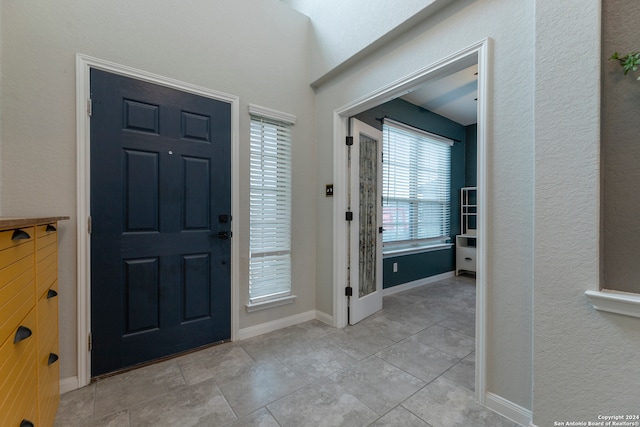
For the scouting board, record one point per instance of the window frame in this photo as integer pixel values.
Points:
(418, 152)
(280, 157)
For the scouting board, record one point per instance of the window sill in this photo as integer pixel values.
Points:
(409, 251)
(618, 302)
(271, 303)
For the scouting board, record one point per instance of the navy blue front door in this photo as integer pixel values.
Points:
(160, 210)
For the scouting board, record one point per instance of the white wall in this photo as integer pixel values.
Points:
(582, 358)
(510, 164)
(254, 49)
(341, 30)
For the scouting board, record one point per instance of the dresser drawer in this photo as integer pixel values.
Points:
(22, 404)
(18, 378)
(466, 258)
(47, 310)
(16, 281)
(46, 269)
(15, 309)
(46, 230)
(12, 238)
(48, 383)
(15, 253)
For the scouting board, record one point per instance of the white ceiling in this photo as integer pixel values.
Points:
(452, 96)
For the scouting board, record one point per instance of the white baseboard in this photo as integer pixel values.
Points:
(416, 283)
(324, 318)
(68, 384)
(508, 409)
(274, 325)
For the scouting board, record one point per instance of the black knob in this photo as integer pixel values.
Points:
(26, 423)
(51, 293)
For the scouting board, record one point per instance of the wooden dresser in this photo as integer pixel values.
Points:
(29, 368)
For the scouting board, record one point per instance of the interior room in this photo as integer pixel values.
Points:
(180, 218)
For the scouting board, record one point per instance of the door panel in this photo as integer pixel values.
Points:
(366, 236)
(160, 181)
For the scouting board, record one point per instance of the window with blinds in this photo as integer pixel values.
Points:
(270, 209)
(416, 187)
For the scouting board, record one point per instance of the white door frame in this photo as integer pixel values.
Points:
(479, 53)
(84, 64)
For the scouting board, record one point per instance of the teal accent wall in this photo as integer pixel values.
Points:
(417, 266)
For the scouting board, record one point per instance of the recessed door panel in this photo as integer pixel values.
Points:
(142, 186)
(142, 291)
(197, 193)
(197, 301)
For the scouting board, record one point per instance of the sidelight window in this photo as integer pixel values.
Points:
(270, 207)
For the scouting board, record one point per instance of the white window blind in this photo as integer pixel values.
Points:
(416, 187)
(270, 209)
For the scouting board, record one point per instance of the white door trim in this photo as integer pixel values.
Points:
(480, 52)
(84, 64)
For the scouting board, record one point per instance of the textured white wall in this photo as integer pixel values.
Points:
(584, 360)
(254, 49)
(620, 149)
(341, 29)
(510, 164)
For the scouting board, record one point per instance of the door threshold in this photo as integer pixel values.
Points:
(158, 360)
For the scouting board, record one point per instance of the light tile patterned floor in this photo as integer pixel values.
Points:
(412, 364)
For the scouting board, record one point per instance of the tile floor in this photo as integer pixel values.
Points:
(412, 364)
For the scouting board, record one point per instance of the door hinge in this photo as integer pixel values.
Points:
(89, 225)
(348, 216)
(89, 107)
(348, 291)
(349, 140)
(90, 342)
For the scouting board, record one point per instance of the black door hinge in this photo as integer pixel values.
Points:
(349, 141)
(348, 216)
(348, 291)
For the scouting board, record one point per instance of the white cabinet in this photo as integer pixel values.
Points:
(465, 254)
(466, 242)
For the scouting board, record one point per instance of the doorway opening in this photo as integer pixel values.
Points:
(475, 55)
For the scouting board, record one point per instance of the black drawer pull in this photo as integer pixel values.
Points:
(51, 293)
(468, 259)
(20, 235)
(53, 358)
(26, 423)
(21, 334)
(50, 228)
